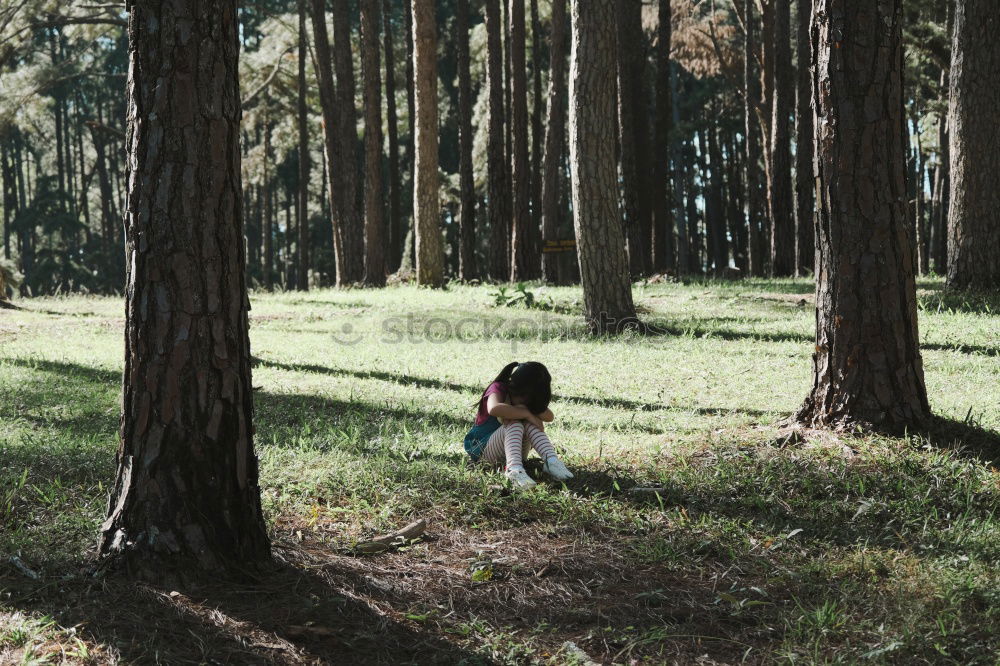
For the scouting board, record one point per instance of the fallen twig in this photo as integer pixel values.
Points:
(24, 568)
(387, 541)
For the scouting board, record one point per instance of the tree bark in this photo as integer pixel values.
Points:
(186, 494)
(335, 169)
(407, 250)
(430, 251)
(537, 134)
(302, 281)
(974, 212)
(392, 125)
(634, 134)
(663, 220)
(467, 213)
(720, 243)
(752, 125)
(525, 261)
(351, 220)
(604, 272)
(867, 368)
(805, 182)
(782, 216)
(496, 161)
(268, 230)
(374, 217)
(555, 136)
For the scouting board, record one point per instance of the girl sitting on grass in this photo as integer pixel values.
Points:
(514, 406)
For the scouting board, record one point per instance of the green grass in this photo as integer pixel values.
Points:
(833, 550)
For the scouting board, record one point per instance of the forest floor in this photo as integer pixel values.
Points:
(765, 546)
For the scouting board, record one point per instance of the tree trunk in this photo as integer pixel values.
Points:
(677, 162)
(351, 220)
(427, 222)
(331, 137)
(720, 243)
(805, 182)
(867, 368)
(268, 227)
(735, 190)
(663, 219)
(407, 249)
(942, 188)
(974, 213)
(634, 134)
(186, 495)
(303, 128)
(607, 290)
(496, 161)
(918, 212)
(524, 259)
(537, 134)
(782, 216)
(752, 102)
(395, 222)
(374, 217)
(555, 135)
(467, 186)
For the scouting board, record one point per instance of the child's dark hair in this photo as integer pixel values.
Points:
(530, 381)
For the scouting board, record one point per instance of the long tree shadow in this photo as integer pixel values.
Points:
(437, 384)
(293, 615)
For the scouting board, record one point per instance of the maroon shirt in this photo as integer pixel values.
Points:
(483, 414)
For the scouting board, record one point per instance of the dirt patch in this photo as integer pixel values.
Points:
(446, 600)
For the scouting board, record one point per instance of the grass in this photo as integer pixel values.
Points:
(763, 548)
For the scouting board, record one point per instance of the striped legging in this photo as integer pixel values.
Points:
(505, 446)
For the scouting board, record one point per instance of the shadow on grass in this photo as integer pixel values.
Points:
(292, 616)
(436, 384)
(942, 299)
(962, 437)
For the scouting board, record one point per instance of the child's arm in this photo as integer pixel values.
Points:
(502, 410)
(547, 416)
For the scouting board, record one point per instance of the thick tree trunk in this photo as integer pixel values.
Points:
(335, 164)
(607, 290)
(302, 280)
(867, 367)
(467, 186)
(525, 261)
(427, 222)
(805, 182)
(496, 161)
(186, 493)
(392, 126)
(974, 213)
(752, 125)
(663, 219)
(350, 217)
(374, 216)
(634, 134)
(782, 216)
(555, 136)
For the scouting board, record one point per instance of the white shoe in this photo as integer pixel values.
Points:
(520, 479)
(556, 469)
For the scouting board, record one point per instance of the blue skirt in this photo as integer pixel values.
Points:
(476, 439)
